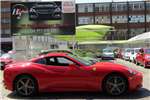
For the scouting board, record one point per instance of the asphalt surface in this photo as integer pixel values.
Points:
(143, 93)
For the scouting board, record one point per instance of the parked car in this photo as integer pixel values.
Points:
(126, 53)
(1, 53)
(59, 72)
(6, 58)
(108, 54)
(43, 11)
(134, 52)
(143, 57)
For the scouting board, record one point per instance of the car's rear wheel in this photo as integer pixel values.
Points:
(115, 84)
(2, 64)
(25, 86)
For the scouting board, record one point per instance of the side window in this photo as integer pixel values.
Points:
(41, 61)
(61, 61)
(51, 61)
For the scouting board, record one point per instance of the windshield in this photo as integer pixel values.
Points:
(81, 60)
(147, 51)
(107, 50)
(127, 50)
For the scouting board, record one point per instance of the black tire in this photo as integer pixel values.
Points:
(136, 62)
(25, 86)
(115, 87)
(2, 65)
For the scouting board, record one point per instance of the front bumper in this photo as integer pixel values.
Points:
(135, 82)
(126, 57)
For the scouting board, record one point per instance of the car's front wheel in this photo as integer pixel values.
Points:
(115, 84)
(25, 86)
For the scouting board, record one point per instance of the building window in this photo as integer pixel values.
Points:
(136, 18)
(147, 18)
(5, 31)
(85, 20)
(148, 5)
(102, 19)
(135, 6)
(5, 21)
(119, 7)
(119, 19)
(82, 8)
(102, 7)
(4, 10)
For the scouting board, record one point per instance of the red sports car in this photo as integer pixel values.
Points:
(143, 57)
(60, 72)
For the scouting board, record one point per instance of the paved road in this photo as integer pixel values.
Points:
(143, 93)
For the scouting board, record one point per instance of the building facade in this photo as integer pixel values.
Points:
(128, 18)
(6, 39)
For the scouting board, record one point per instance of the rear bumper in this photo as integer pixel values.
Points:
(147, 63)
(135, 82)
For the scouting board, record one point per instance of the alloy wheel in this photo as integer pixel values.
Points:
(115, 85)
(25, 86)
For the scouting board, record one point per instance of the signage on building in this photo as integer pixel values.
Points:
(43, 18)
(68, 6)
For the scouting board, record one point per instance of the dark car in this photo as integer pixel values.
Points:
(43, 11)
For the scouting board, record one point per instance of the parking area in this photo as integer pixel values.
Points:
(143, 93)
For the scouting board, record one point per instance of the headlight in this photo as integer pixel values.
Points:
(132, 72)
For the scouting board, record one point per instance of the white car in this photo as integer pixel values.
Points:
(108, 54)
(134, 51)
(126, 53)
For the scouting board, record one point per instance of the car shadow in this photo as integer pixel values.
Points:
(141, 93)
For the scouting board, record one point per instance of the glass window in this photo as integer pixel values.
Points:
(148, 5)
(5, 21)
(119, 6)
(85, 8)
(119, 19)
(41, 61)
(102, 7)
(147, 18)
(85, 20)
(102, 19)
(64, 61)
(5, 31)
(5, 10)
(136, 18)
(136, 6)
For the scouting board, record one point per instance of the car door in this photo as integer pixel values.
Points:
(64, 77)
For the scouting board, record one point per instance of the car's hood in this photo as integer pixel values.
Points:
(108, 65)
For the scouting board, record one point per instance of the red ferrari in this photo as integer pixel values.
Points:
(143, 57)
(61, 72)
